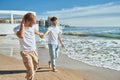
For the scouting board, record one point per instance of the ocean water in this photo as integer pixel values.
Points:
(97, 46)
(106, 32)
(111, 30)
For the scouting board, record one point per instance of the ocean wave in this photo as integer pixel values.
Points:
(96, 52)
(75, 34)
(93, 51)
(106, 35)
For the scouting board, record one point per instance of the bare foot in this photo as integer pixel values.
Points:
(55, 70)
(49, 64)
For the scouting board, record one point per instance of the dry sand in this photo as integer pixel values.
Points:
(13, 69)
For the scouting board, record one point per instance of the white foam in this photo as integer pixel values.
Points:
(97, 52)
(94, 51)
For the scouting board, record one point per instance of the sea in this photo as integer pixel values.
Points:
(96, 46)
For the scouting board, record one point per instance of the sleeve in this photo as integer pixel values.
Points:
(35, 28)
(59, 30)
(49, 28)
(16, 29)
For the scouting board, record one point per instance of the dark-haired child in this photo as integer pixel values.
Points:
(53, 40)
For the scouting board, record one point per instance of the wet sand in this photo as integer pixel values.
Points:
(89, 72)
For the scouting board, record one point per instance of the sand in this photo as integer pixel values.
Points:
(13, 69)
(89, 72)
(69, 69)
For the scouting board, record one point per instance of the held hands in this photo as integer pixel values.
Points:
(41, 35)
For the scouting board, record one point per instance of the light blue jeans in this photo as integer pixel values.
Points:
(53, 50)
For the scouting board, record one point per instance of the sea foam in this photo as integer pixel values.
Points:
(96, 52)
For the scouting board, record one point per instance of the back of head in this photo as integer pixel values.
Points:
(53, 18)
(29, 17)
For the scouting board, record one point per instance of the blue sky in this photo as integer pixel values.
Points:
(73, 12)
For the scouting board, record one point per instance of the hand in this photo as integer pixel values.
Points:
(23, 22)
(41, 35)
(63, 46)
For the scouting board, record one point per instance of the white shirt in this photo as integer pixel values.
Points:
(53, 35)
(28, 42)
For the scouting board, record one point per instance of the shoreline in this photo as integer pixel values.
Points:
(90, 72)
(96, 51)
(64, 63)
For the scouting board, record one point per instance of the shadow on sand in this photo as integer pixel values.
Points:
(2, 72)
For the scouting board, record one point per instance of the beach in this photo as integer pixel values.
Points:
(89, 72)
(12, 68)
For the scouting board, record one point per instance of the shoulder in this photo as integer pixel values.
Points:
(58, 28)
(50, 28)
(33, 28)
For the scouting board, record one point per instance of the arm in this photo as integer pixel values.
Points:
(38, 33)
(59, 38)
(45, 33)
(20, 33)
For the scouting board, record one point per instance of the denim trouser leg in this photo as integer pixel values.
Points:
(53, 50)
(56, 51)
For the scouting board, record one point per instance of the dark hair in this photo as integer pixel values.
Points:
(53, 18)
(29, 16)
